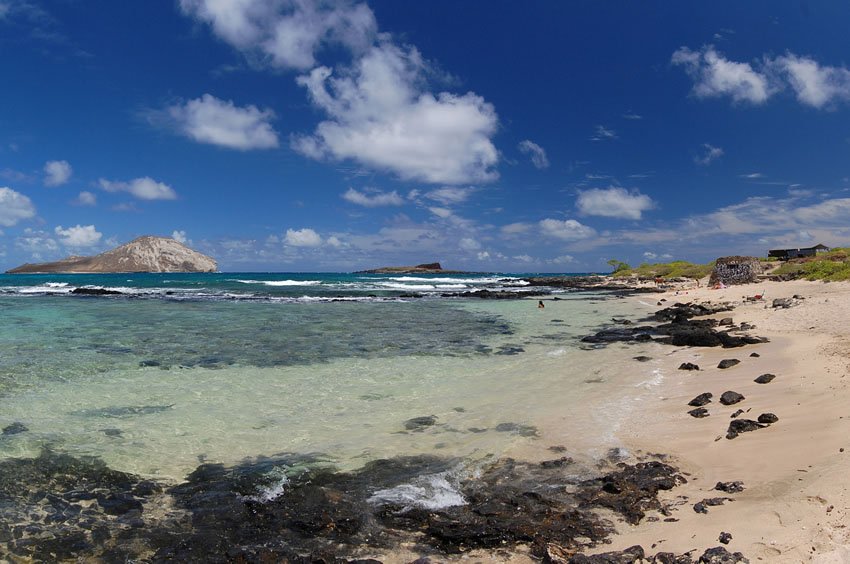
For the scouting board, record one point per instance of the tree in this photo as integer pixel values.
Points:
(618, 266)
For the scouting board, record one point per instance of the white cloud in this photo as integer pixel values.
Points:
(218, 122)
(335, 242)
(380, 116)
(57, 173)
(78, 236)
(649, 255)
(614, 202)
(568, 230)
(36, 243)
(524, 258)
(537, 153)
(448, 195)
(286, 33)
(469, 244)
(710, 155)
(179, 236)
(515, 228)
(483, 255)
(86, 199)
(440, 212)
(14, 207)
(752, 175)
(373, 198)
(602, 133)
(302, 238)
(145, 188)
(631, 115)
(815, 85)
(563, 259)
(714, 76)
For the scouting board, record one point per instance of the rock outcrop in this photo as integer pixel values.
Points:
(428, 268)
(144, 254)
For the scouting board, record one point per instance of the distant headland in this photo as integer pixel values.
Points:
(427, 268)
(144, 254)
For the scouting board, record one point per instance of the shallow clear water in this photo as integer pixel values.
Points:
(156, 386)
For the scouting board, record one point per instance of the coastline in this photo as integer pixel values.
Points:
(795, 502)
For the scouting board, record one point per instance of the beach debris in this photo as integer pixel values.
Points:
(702, 506)
(738, 426)
(730, 398)
(420, 423)
(755, 355)
(14, 429)
(725, 537)
(767, 418)
(701, 399)
(699, 412)
(688, 366)
(736, 414)
(784, 303)
(730, 487)
(517, 429)
(631, 555)
(764, 379)
(728, 363)
(642, 358)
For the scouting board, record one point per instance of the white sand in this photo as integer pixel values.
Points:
(795, 505)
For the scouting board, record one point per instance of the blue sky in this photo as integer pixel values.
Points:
(285, 135)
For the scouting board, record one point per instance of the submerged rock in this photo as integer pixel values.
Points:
(14, 429)
(95, 292)
(420, 423)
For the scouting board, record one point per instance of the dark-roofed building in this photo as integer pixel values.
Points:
(785, 254)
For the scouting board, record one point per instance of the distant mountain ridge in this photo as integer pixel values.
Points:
(144, 254)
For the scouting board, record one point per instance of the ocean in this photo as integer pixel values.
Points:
(293, 372)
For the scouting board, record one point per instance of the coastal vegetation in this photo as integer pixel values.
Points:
(666, 270)
(832, 266)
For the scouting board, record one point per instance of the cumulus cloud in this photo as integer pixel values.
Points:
(145, 188)
(380, 116)
(815, 85)
(515, 228)
(715, 76)
(709, 155)
(218, 122)
(536, 152)
(78, 236)
(449, 195)
(613, 202)
(86, 199)
(14, 207)
(469, 244)
(57, 173)
(373, 198)
(286, 33)
(563, 259)
(36, 242)
(302, 238)
(440, 212)
(602, 133)
(567, 230)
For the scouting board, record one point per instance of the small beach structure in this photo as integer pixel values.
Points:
(735, 270)
(786, 254)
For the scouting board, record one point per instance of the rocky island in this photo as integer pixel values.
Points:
(428, 268)
(143, 254)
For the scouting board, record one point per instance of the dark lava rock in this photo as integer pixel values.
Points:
(642, 358)
(671, 558)
(688, 366)
(699, 412)
(702, 506)
(736, 414)
(419, 423)
(755, 355)
(622, 334)
(496, 295)
(729, 487)
(631, 555)
(728, 363)
(700, 333)
(719, 555)
(784, 303)
(557, 463)
(725, 321)
(731, 398)
(632, 490)
(517, 429)
(95, 292)
(701, 399)
(764, 379)
(767, 418)
(680, 311)
(14, 429)
(725, 537)
(742, 426)
(149, 363)
(118, 503)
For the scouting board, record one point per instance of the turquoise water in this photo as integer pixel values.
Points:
(183, 369)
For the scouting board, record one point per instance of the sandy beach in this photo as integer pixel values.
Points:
(794, 505)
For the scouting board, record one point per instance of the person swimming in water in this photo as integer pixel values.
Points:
(540, 304)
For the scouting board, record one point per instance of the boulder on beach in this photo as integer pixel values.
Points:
(701, 399)
(728, 363)
(731, 398)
